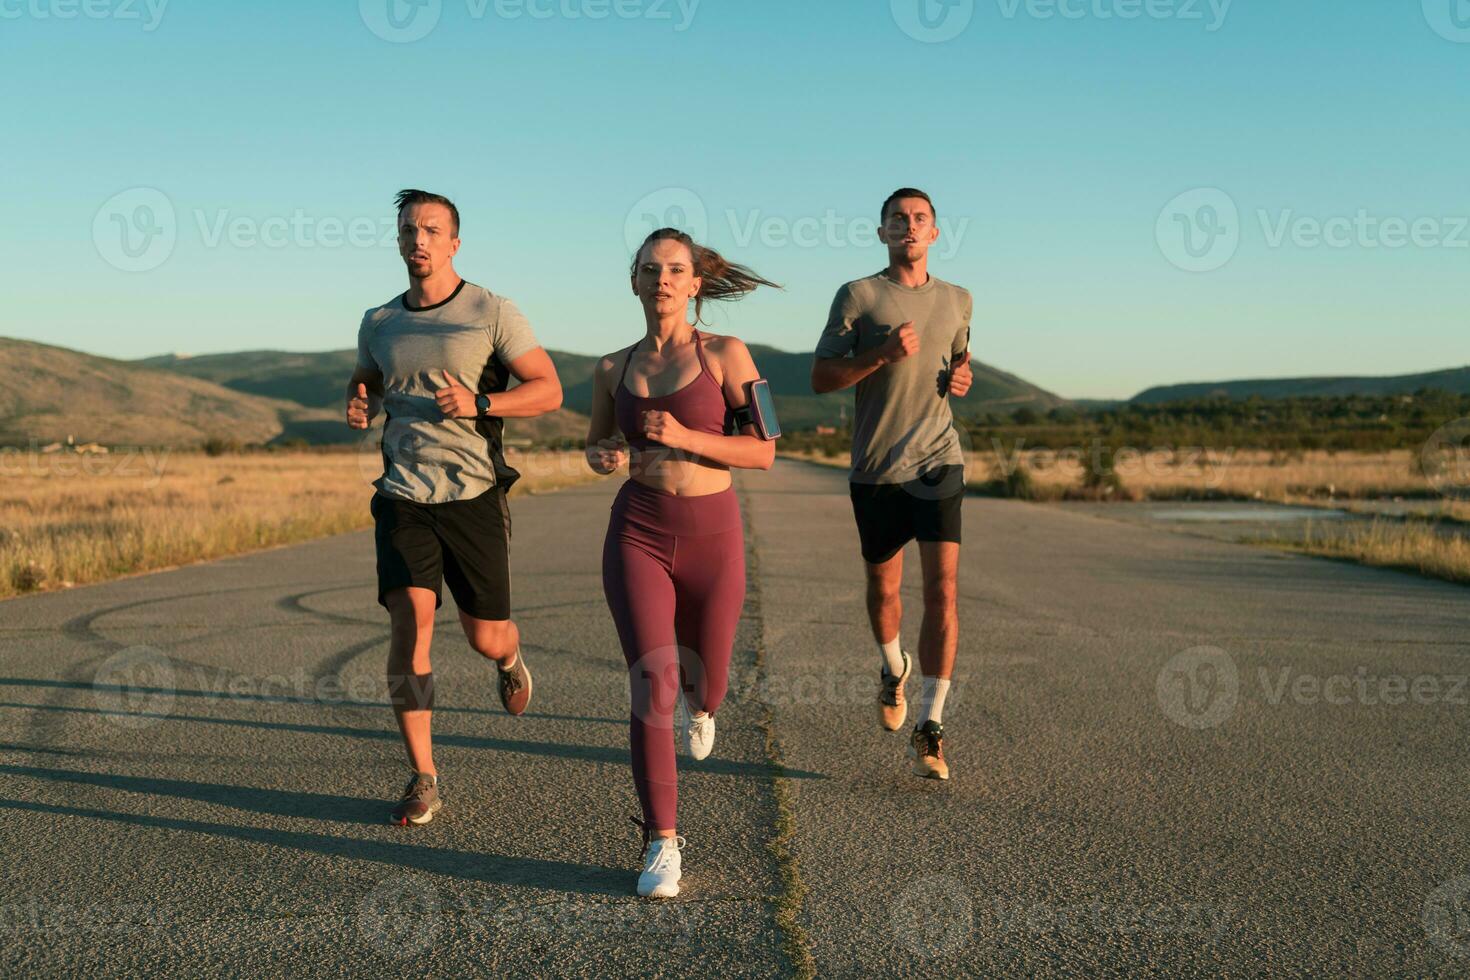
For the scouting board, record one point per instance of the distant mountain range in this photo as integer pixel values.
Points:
(1455, 380)
(317, 380)
(278, 396)
(265, 397)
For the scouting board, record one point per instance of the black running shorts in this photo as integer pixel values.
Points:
(890, 515)
(465, 543)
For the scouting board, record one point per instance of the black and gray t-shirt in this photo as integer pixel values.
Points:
(902, 425)
(470, 338)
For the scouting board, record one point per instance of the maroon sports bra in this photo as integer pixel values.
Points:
(698, 406)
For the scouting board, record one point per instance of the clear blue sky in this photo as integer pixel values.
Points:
(1051, 145)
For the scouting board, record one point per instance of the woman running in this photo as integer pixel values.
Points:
(673, 564)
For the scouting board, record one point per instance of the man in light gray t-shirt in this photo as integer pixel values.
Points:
(437, 362)
(469, 339)
(902, 424)
(901, 337)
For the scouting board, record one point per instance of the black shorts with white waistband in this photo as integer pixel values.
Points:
(890, 515)
(465, 543)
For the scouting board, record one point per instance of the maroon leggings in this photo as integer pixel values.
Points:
(673, 571)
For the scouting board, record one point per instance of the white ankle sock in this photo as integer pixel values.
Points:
(931, 706)
(892, 652)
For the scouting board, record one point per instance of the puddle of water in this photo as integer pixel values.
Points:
(1250, 514)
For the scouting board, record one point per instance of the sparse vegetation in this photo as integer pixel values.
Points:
(67, 519)
(1409, 546)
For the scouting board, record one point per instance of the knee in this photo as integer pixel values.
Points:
(494, 639)
(882, 589)
(940, 596)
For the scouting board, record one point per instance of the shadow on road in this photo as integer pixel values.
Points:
(280, 699)
(274, 802)
(564, 876)
(581, 753)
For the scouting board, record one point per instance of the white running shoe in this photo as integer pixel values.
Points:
(661, 868)
(696, 735)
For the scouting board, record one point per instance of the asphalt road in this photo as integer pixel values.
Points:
(1171, 756)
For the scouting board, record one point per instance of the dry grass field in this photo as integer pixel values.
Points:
(68, 519)
(1350, 481)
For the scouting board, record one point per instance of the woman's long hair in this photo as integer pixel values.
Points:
(722, 279)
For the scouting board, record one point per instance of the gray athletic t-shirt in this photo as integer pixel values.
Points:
(471, 337)
(902, 425)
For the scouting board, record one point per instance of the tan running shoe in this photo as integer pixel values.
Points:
(892, 707)
(515, 685)
(420, 801)
(926, 748)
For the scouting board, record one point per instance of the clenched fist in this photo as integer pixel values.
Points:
(607, 456)
(901, 343)
(359, 411)
(663, 428)
(960, 376)
(455, 400)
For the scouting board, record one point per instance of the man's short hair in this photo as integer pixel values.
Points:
(411, 196)
(903, 192)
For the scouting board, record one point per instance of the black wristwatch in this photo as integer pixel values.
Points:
(482, 404)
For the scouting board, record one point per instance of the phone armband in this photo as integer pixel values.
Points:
(759, 411)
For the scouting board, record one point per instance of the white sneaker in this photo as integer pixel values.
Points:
(661, 868)
(696, 734)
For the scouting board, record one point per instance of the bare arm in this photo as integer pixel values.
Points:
(747, 450)
(836, 373)
(606, 451)
(539, 390)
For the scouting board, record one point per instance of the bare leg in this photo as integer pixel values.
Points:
(410, 675)
(940, 633)
(885, 608)
(495, 639)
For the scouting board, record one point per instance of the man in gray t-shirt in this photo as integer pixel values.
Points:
(437, 362)
(902, 338)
